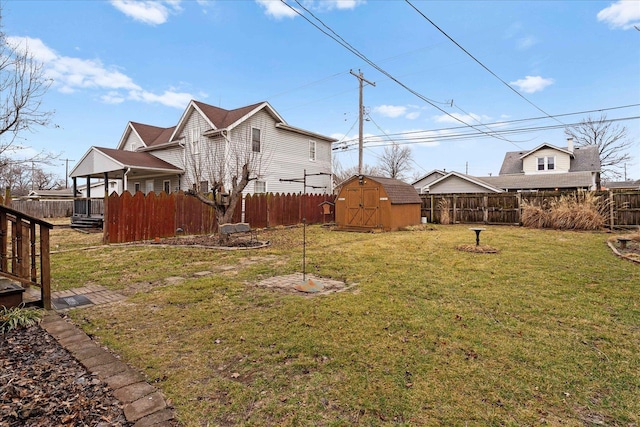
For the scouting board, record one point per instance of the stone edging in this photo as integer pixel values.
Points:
(615, 251)
(143, 404)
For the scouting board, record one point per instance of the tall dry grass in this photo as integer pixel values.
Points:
(576, 211)
(445, 216)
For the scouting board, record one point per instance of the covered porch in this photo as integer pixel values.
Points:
(128, 169)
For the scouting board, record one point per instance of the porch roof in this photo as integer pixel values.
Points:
(99, 160)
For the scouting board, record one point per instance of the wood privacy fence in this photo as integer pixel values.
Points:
(52, 208)
(621, 208)
(134, 218)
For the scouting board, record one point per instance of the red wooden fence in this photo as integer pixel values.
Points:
(133, 218)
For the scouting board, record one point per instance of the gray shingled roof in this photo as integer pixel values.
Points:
(584, 159)
(540, 181)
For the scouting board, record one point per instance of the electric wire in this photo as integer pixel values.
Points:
(337, 38)
(479, 62)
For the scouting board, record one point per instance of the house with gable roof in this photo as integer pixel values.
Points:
(544, 168)
(151, 158)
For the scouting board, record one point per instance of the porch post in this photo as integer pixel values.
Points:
(75, 194)
(105, 205)
(89, 196)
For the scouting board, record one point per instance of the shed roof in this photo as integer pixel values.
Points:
(399, 192)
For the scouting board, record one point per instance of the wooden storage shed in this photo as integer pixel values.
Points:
(376, 203)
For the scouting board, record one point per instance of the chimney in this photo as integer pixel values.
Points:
(570, 144)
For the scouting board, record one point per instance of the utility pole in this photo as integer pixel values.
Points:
(66, 175)
(361, 79)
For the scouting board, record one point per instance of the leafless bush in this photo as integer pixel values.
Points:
(577, 211)
(443, 206)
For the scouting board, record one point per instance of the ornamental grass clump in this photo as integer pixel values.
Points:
(15, 317)
(443, 206)
(577, 211)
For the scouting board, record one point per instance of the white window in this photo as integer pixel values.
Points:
(546, 163)
(149, 186)
(166, 186)
(312, 151)
(136, 187)
(133, 146)
(195, 141)
(255, 140)
(260, 187)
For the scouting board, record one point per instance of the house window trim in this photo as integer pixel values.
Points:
(542, 163)
(259, 141)
(137, 186)
(166, 186)
(313, 153)
(195, 141)
(255, 185)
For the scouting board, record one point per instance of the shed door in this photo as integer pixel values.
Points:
(362, 206)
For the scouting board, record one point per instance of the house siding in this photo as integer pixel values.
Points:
(530, 163)
(454, 184)
(132, 138)
(286, 156)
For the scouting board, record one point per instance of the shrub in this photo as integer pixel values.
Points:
(11, 318)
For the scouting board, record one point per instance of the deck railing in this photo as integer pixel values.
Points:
(21, 237)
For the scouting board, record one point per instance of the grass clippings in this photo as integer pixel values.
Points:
(545, 332)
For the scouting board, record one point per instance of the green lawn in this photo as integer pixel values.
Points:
(547, 331)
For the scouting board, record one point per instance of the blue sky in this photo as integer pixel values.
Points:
(117, 61)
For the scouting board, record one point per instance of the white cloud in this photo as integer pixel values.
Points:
(71, 74)
(526, 42)
(471, 119)
(532, 84)
(35, 47)
(622, 14)
(277, 9)
(392, 111)
(412, 116)
(148, 12)
(168, 98)
(336, 4)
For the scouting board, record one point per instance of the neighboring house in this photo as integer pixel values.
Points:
(422, 185)
(621, 185)
(150, 158)
(455, 183)
(545, 168)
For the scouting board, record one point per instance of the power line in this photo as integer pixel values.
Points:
(406, 138)
(480, 63)
(501, 123)
(342, 42)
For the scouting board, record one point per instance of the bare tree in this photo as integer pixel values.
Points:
(22, 87)
(221, 168)
(341, 174)
(610, 139)
(395, 161)
(21, 178)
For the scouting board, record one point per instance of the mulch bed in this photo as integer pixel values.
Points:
(208, 241)
(42, 385)
(479, 249)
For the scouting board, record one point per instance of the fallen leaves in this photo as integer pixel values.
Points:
(42, 384)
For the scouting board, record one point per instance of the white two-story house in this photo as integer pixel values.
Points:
(210, 142)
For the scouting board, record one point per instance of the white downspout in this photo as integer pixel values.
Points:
(125, 181)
